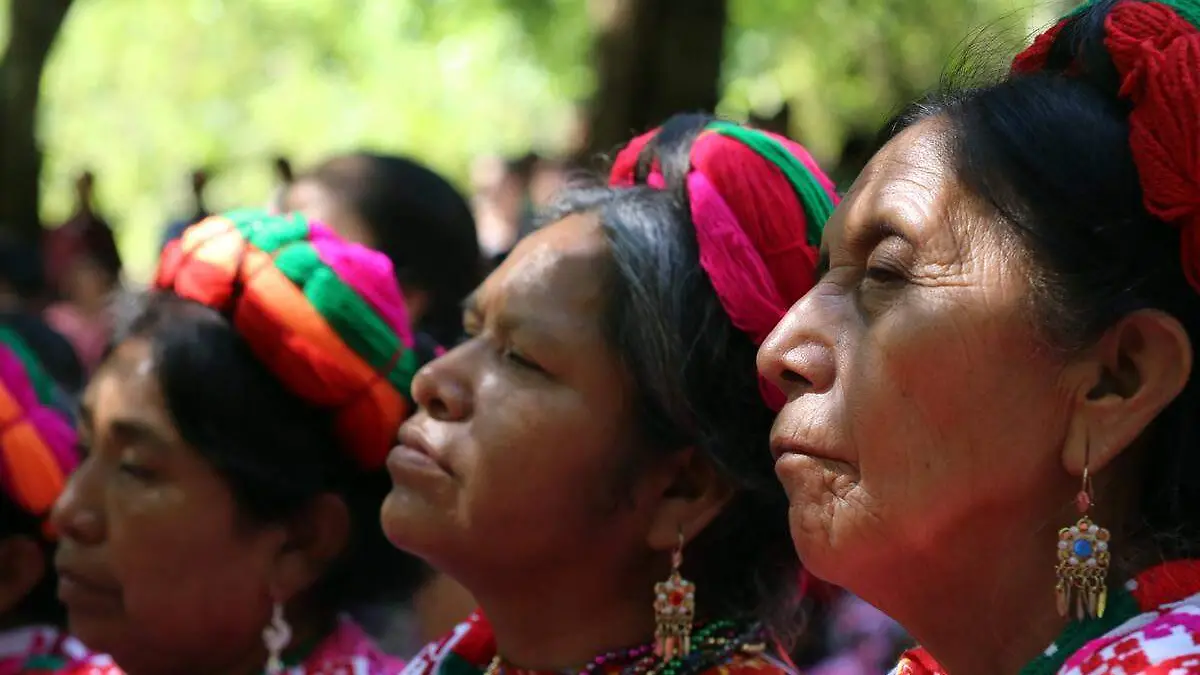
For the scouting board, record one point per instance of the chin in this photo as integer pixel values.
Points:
(813, 539)
(410, 524)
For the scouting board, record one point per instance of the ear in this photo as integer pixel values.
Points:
(314, 540)
(695, 493)
(1133, 372)
(22, 568)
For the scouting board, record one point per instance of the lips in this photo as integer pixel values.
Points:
(781, 447)
(81, 590)
(414, 449)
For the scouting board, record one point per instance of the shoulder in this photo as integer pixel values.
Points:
(1161, 641)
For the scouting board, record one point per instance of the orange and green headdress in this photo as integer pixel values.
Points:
(325, 316)
(38, 449)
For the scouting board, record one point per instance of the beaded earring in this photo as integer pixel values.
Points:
(276, 637)
(674, 610)
(1083, 559)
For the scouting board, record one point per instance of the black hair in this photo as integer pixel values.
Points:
(695, 381)
(41, 605)
(419, 221)
(1050, 153)
(275, 451)
(21, 268)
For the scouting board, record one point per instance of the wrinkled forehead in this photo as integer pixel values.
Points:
(911, 183)
(558, 273)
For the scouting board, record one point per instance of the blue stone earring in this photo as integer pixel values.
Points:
(1083, 559)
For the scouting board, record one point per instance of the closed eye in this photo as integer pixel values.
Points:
(521, 361)
(136, 471)
(884, 275)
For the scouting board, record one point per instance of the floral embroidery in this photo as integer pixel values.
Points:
(1164, 639)
(1159, 641)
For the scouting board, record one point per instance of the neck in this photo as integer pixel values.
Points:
(990, 614)
(554, 620)
(1012, 621)
(309, 630)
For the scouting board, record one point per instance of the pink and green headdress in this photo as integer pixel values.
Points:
(327, 317)
(759, 203)
(38, 449)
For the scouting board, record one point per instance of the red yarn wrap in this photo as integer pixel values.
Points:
(1156, 52)
(764, 263)
(766, 206)
(1034, 57)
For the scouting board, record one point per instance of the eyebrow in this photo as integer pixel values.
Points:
(131, 430)
(528, 323)
(138, 432)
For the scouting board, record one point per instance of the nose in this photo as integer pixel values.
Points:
(442, 389)
(76, 514)
(798, 357)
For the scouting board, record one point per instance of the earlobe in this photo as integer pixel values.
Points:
(313, 541)
(1137, 368)
(693, 498)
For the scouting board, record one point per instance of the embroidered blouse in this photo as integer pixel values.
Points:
(34, 650)
(1152, 627)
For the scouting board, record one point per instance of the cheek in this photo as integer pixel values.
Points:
(186, 577)
(543, 455)
(961, 405)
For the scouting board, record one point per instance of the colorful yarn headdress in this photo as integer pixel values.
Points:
(759, 203)
(1155, 47)
(38, 449)
(325, 316)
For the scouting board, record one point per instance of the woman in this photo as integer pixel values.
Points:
(409, 213)
(991, 429)
(583, 462)
(225, 512)
(84, 267)
(37, 453)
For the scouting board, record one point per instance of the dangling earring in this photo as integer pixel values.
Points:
(276, 637)
(1083, 558)
(674, 610)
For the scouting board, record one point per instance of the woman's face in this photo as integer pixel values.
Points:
(514, 462)
(155, 566)
(925, 416)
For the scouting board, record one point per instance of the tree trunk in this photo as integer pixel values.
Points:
(33, 25)
(654, 58)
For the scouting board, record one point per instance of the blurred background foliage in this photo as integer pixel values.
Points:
(142, 91)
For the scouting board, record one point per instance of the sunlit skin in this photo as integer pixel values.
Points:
(515, 476)
(933, 441)
(157, 567)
